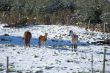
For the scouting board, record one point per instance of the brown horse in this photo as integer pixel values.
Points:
(27, 37)
(42, 40)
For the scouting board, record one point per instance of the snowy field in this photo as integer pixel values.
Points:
(57, 56)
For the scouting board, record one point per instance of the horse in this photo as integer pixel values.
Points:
(27, 38)
(74, 39)
(42, 40)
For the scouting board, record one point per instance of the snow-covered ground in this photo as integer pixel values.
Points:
(57, 56)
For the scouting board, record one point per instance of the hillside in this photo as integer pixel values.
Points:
(57, 56)
(92, 13)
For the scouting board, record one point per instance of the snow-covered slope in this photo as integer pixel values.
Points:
(57, 56)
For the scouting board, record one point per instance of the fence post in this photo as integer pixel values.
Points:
(7, 64)
(104, 60)
(92, 70)
(72, 47)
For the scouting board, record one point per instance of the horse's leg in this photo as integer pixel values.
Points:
(75, 47)
(25, 44)
(39, 43)
(29, 43)
(72, 46)
(45, 44)
(72, 41)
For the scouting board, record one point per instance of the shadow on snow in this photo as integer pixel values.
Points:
(18, 40)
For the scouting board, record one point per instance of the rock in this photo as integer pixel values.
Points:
(6, 35)
(40, 71)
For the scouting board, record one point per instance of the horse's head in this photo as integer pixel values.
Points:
(71, 33)
(46, 34)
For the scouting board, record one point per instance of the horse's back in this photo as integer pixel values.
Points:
(42, 38)
(27, 35)
(74, 38)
